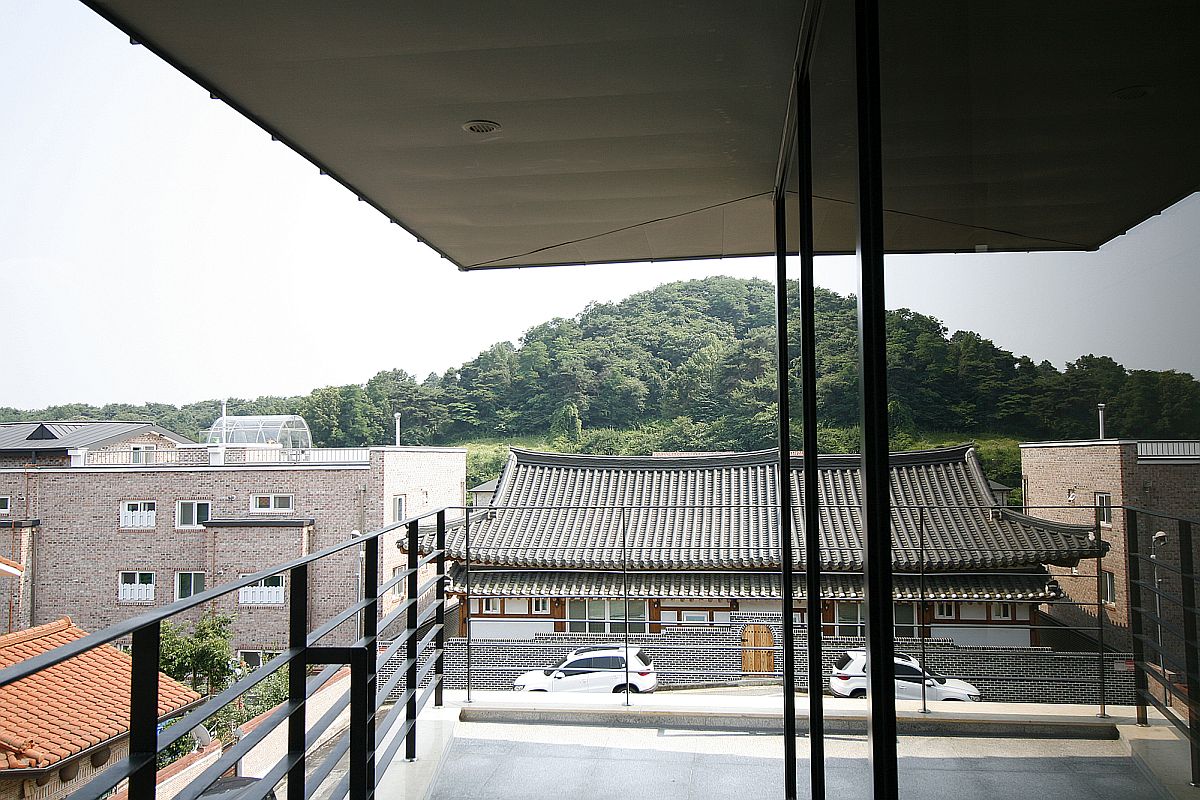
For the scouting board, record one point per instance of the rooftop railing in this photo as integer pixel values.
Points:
(113, 458)
(306, 455)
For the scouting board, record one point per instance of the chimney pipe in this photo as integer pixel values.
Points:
(398, 428)
(1100, 411)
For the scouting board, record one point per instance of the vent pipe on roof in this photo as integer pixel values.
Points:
(224, 418)
(398, 428)
(1100, 412)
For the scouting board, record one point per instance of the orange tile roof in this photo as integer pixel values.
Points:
(72, 706)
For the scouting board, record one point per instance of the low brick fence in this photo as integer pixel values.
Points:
(712, 654)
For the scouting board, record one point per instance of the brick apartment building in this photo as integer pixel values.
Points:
(1086, 482)
(105, 519)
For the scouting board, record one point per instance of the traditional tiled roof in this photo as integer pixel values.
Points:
(745, 584)
(719, 511)
(59, 435)
(70, 707)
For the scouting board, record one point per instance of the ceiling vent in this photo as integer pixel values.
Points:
(41, 432)
(481, 126)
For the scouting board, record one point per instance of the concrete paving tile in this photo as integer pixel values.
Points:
(540, 778)
(645, 779)
(711, 781)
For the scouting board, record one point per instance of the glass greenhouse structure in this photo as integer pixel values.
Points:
(270, 430)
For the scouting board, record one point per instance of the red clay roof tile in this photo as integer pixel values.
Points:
(72, 706)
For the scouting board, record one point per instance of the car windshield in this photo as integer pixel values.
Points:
(936, 676)
(842, 661)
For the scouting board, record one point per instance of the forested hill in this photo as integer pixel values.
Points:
(690, 366)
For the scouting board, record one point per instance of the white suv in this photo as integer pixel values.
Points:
(849, 679)
(599, 668)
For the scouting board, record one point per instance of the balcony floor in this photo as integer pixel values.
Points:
(581, 760)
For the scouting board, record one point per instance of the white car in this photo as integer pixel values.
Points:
(849, 679)
(599, 668)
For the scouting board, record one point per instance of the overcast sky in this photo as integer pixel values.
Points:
(154, 245)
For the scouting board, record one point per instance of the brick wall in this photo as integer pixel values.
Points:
(686, 656)
(82, 549)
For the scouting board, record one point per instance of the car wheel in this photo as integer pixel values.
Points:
(856, 693)
(621, 689)
(537, 690)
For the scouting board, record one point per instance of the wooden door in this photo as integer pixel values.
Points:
(756, 660)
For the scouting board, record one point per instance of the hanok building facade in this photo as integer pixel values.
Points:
(130, 516)
(577, 543)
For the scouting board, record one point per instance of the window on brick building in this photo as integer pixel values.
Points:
(142, 454)
(1108, 588)
(138, 514)
(1003, 611)
(1104, 508)
(253, 659)
(693, 616)
(188, 584)
(491, 605)
(271, 502)
(905, 619)
(192, 513)
(943, 610)
(398, 507)
(540, 605)
(398, 589)
(136, 587)
(268, 591)
(5, 505)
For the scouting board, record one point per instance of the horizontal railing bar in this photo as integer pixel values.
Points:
(1172, 599)
(1192, 706)
(403, 575)
(931, 625)
(194, 718)
(401, 669)
(1165, 566)
(109, 779)
(315, 778)
(327, 719)
(1162, 624)
(389, 752)
(266, 785)
(232, 755)
(341, 619)
(1166, 658)
(399, 642)
(400, 705)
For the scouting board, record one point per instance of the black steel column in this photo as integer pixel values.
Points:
(439, 638)
(1133, 573)
(410, 631)
(1097, 531)
(143, 712)
(371, 648)
(876, 515)
(784, 487)
(812, 487)
(1191, 656)
(297, 638)
(362, 728)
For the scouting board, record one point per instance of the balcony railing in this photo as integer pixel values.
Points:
(307, 455)
(138, 519)
(136, 593)
(117, 458)
(260, 595)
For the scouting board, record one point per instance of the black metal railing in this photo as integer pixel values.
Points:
(1161, 584)
(305, 650)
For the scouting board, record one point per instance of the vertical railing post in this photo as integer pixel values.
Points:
(1133, 573)
(467, 600)
(362, 680)
(625, 591)
(439, 639)
(143, 712)
(297, 639)
(876, 475)
(921, 616)
(1191, 657)
(1100, 609)
(410, 641)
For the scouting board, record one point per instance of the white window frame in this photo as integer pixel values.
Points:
(135, 519)
(137, 581)
(539, 605)
(5, 504)
(1103, 502)
(203, 580)
(399, 506)
(263, 656)
(913, 627)
(692, 615)
(939, 613)
(267, 592)
(137, 453)
(1004, 611)
(1108, 588)
(489, 605)
(179, 504)
(853, 628)
(273, 506)
(399, 588)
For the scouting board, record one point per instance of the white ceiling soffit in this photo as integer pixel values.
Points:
(635, 131)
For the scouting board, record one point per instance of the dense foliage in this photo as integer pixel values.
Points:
(690, 366)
